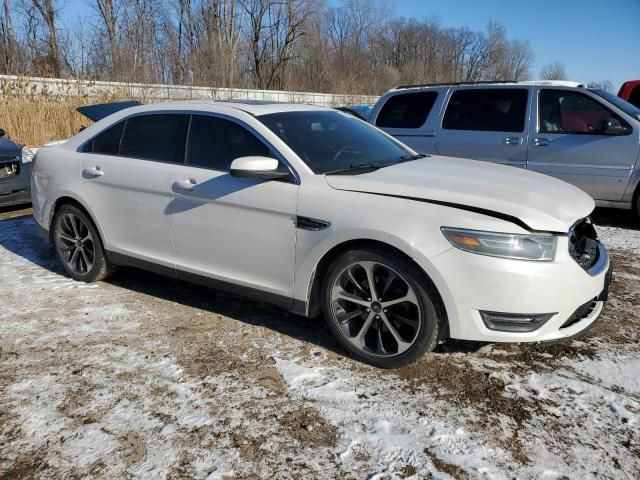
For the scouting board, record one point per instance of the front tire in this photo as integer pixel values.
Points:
(79, 247)
(381, 308)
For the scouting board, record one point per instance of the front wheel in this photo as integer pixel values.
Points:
(78, 246)
(380, 308)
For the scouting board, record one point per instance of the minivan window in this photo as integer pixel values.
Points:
(491, 109)
(215, 143)
(106, 142)
(566, 111)
(159, 137)
(407, 110)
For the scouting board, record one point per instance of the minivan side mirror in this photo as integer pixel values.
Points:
(263, 168)
(2, 133)
(613, 126)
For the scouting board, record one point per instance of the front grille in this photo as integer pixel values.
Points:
(583, 243)
(581, 313)
(9, 166)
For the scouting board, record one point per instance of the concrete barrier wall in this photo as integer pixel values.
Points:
(10, 84)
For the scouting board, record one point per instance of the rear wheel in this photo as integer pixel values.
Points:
(381, 308)
(78, 245)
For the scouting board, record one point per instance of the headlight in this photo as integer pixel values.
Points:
(27, 154)
(540, 247)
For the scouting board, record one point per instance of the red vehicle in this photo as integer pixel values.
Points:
(630, 91)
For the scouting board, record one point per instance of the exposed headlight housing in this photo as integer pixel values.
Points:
(539, 247)
(27, 154)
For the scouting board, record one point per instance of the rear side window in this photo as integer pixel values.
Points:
(106, 142)
(565, 111)
(159, 137)
(215, 143)
(408, 110)
(487, 110)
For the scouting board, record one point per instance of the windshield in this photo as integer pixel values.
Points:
(623, 105)
(331, 141)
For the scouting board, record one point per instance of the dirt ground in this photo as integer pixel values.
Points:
(145, 377)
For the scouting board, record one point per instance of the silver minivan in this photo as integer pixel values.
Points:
(585, 136)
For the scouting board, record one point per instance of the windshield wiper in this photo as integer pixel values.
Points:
(354, 168)
(409, 158)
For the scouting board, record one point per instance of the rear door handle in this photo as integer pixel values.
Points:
(541, 142)
(190, 185)
(512, 141)
(92, 172)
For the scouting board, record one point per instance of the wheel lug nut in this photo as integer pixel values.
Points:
(368, 309)
(385, 310)
(378, 316)
(368, 299)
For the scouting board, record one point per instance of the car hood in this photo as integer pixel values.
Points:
(7, 147)
(537, 201)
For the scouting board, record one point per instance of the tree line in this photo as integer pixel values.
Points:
(304, 45)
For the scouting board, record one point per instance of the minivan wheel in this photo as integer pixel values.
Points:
(78, 245)
(380, 308)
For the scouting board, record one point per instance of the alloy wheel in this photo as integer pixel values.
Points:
(376, 308)
(75, 243)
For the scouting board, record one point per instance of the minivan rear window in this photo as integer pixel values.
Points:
(487, 110)
(407, 110)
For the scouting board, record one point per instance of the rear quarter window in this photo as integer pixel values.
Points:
(407, 110)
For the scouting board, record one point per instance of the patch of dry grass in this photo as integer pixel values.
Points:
(34, 117)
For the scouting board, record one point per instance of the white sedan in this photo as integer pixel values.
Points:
(318, 212)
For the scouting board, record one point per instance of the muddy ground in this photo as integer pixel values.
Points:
(145, 377)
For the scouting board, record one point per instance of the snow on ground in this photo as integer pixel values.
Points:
(144, 377)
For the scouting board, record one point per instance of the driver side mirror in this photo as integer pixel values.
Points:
(613, 126)
(2, 133)
(263, 168)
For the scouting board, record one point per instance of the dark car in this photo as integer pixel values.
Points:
(15, 172)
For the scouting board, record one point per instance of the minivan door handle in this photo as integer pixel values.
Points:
(541, 142)
(512, 141)
(92, 172)
(190, 185)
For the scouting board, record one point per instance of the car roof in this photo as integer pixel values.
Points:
(253, 107)
(546, 83)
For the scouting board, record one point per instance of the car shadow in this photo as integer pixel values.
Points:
(613, 217)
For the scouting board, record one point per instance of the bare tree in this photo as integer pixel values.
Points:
(49, 16)
(605, 85)
(553, 71)
(108, 12)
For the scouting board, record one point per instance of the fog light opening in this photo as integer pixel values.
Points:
(514, 322)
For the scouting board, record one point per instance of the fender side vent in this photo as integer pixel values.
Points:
(312, 224)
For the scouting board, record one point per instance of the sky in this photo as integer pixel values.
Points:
(596, 40)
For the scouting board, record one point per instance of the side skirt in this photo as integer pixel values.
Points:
(295, 306)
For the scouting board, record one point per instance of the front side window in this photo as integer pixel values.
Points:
(487, 110)
(407, 110)
(565, 111)
(328, 141)
(159, 137)
(215, 143)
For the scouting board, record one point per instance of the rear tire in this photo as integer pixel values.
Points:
(390, 325)
(79, 247)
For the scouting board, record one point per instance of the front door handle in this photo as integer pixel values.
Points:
(541, 142)
(190, 185)
(92, 172)
(512, 141)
